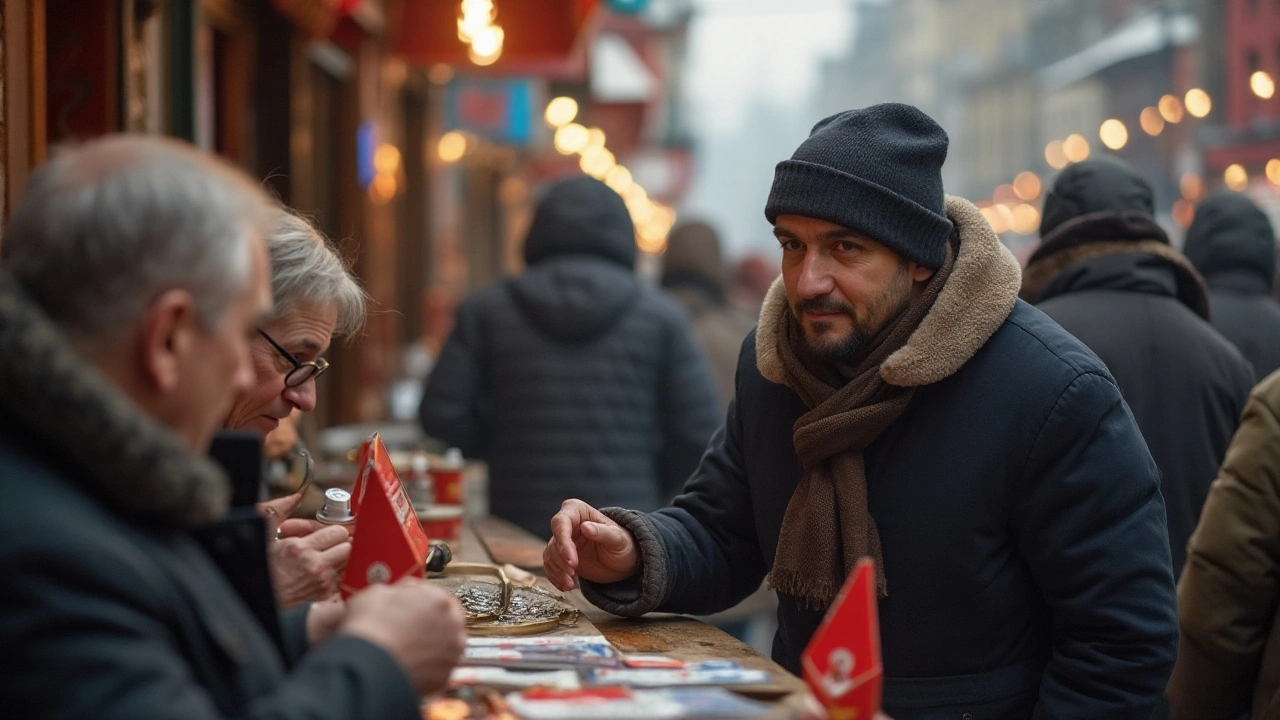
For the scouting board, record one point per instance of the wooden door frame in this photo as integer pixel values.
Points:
(24, 95)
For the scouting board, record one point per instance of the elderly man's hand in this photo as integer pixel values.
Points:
(308, 567)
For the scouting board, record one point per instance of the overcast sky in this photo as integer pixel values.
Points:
(751, 74)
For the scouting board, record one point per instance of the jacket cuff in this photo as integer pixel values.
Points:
(645, 591)
(387, 688)
(293, 631)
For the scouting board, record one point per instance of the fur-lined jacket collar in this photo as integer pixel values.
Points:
(1105, 234)
(975, 301)
(113, 450)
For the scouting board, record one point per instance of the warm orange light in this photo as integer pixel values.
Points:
(561, 111)
(1184, 211)
(1191, 185)
(1055, 156)
(452, 146)
(1113, 134)
(1075, 147)
(1273, 171)
(1198, 102)
(1236, 177)
(1151, 121)
(1262, 84)
(570, 139)
(1170, 109)
(1026, 219)
(1005, 194)
(1027, 186)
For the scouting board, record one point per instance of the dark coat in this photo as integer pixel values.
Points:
(1140, 306)
(1233, 246)
(1019, 514)
(573, 379)
(109, 607)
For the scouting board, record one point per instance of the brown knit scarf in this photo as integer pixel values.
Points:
(828, 526)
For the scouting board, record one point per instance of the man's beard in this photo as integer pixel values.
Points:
(846, 350)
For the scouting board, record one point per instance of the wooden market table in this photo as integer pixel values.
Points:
(492, 540)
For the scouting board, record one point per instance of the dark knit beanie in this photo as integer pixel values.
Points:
(877, 170)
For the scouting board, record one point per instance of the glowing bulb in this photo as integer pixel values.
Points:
(452, 146)
(619, 179)
(1025, 219)
(1075, 147)
(1170, 109)
(561, 111)
(486, 47)
(386, 159)
(1113, 134)
(571, 138)
(1262, 84)
(1054, 155)
(597, 162)
(595, 137)
(1273, 171)
(1236, 177)
(1197, 102)
(1151, 121)
(1027, 185)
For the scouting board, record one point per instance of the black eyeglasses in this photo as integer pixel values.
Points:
(302, 371)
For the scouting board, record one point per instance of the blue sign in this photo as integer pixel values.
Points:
(366, 146)
(500, 110)
(628, 7)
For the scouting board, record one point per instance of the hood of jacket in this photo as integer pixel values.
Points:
(975, 301)
(1124, 251)
(581, 216)
(1231, 243)
(572, 298)
(111, 448)
(1100, 184)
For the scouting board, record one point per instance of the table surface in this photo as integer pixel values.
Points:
(491, 539)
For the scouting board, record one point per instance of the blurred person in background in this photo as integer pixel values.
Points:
(1106, 272)
(897, 401)
(752, 277)
(133, 277)
(573, 379)
(316, 299)
(694, 272)
(1231, 243)
(1229, 595)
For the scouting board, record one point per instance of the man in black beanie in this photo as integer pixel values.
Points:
(898, 401)
(574, 379)
(1105, 271)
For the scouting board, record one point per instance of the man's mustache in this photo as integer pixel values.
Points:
(822, 304)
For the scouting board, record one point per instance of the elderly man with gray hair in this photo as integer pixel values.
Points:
(316, 299)
(133, 281)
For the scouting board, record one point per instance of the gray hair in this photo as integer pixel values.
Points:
(305, 268)
(104, 227)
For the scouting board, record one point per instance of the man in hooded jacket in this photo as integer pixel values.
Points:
(898, 401)
(1106, 272)
(573, 379)
(1233, 246)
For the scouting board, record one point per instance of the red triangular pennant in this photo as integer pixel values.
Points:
(842, 662)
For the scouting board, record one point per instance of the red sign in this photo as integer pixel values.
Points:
(388, 542)
(842, 662)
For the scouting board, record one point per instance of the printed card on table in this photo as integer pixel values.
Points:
(842, 662)
(388, 542)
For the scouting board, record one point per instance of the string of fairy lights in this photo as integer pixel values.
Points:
(1012, 207)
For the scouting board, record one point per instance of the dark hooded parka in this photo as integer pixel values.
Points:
(1106, 272)
(574, 379)
(1233, 246)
